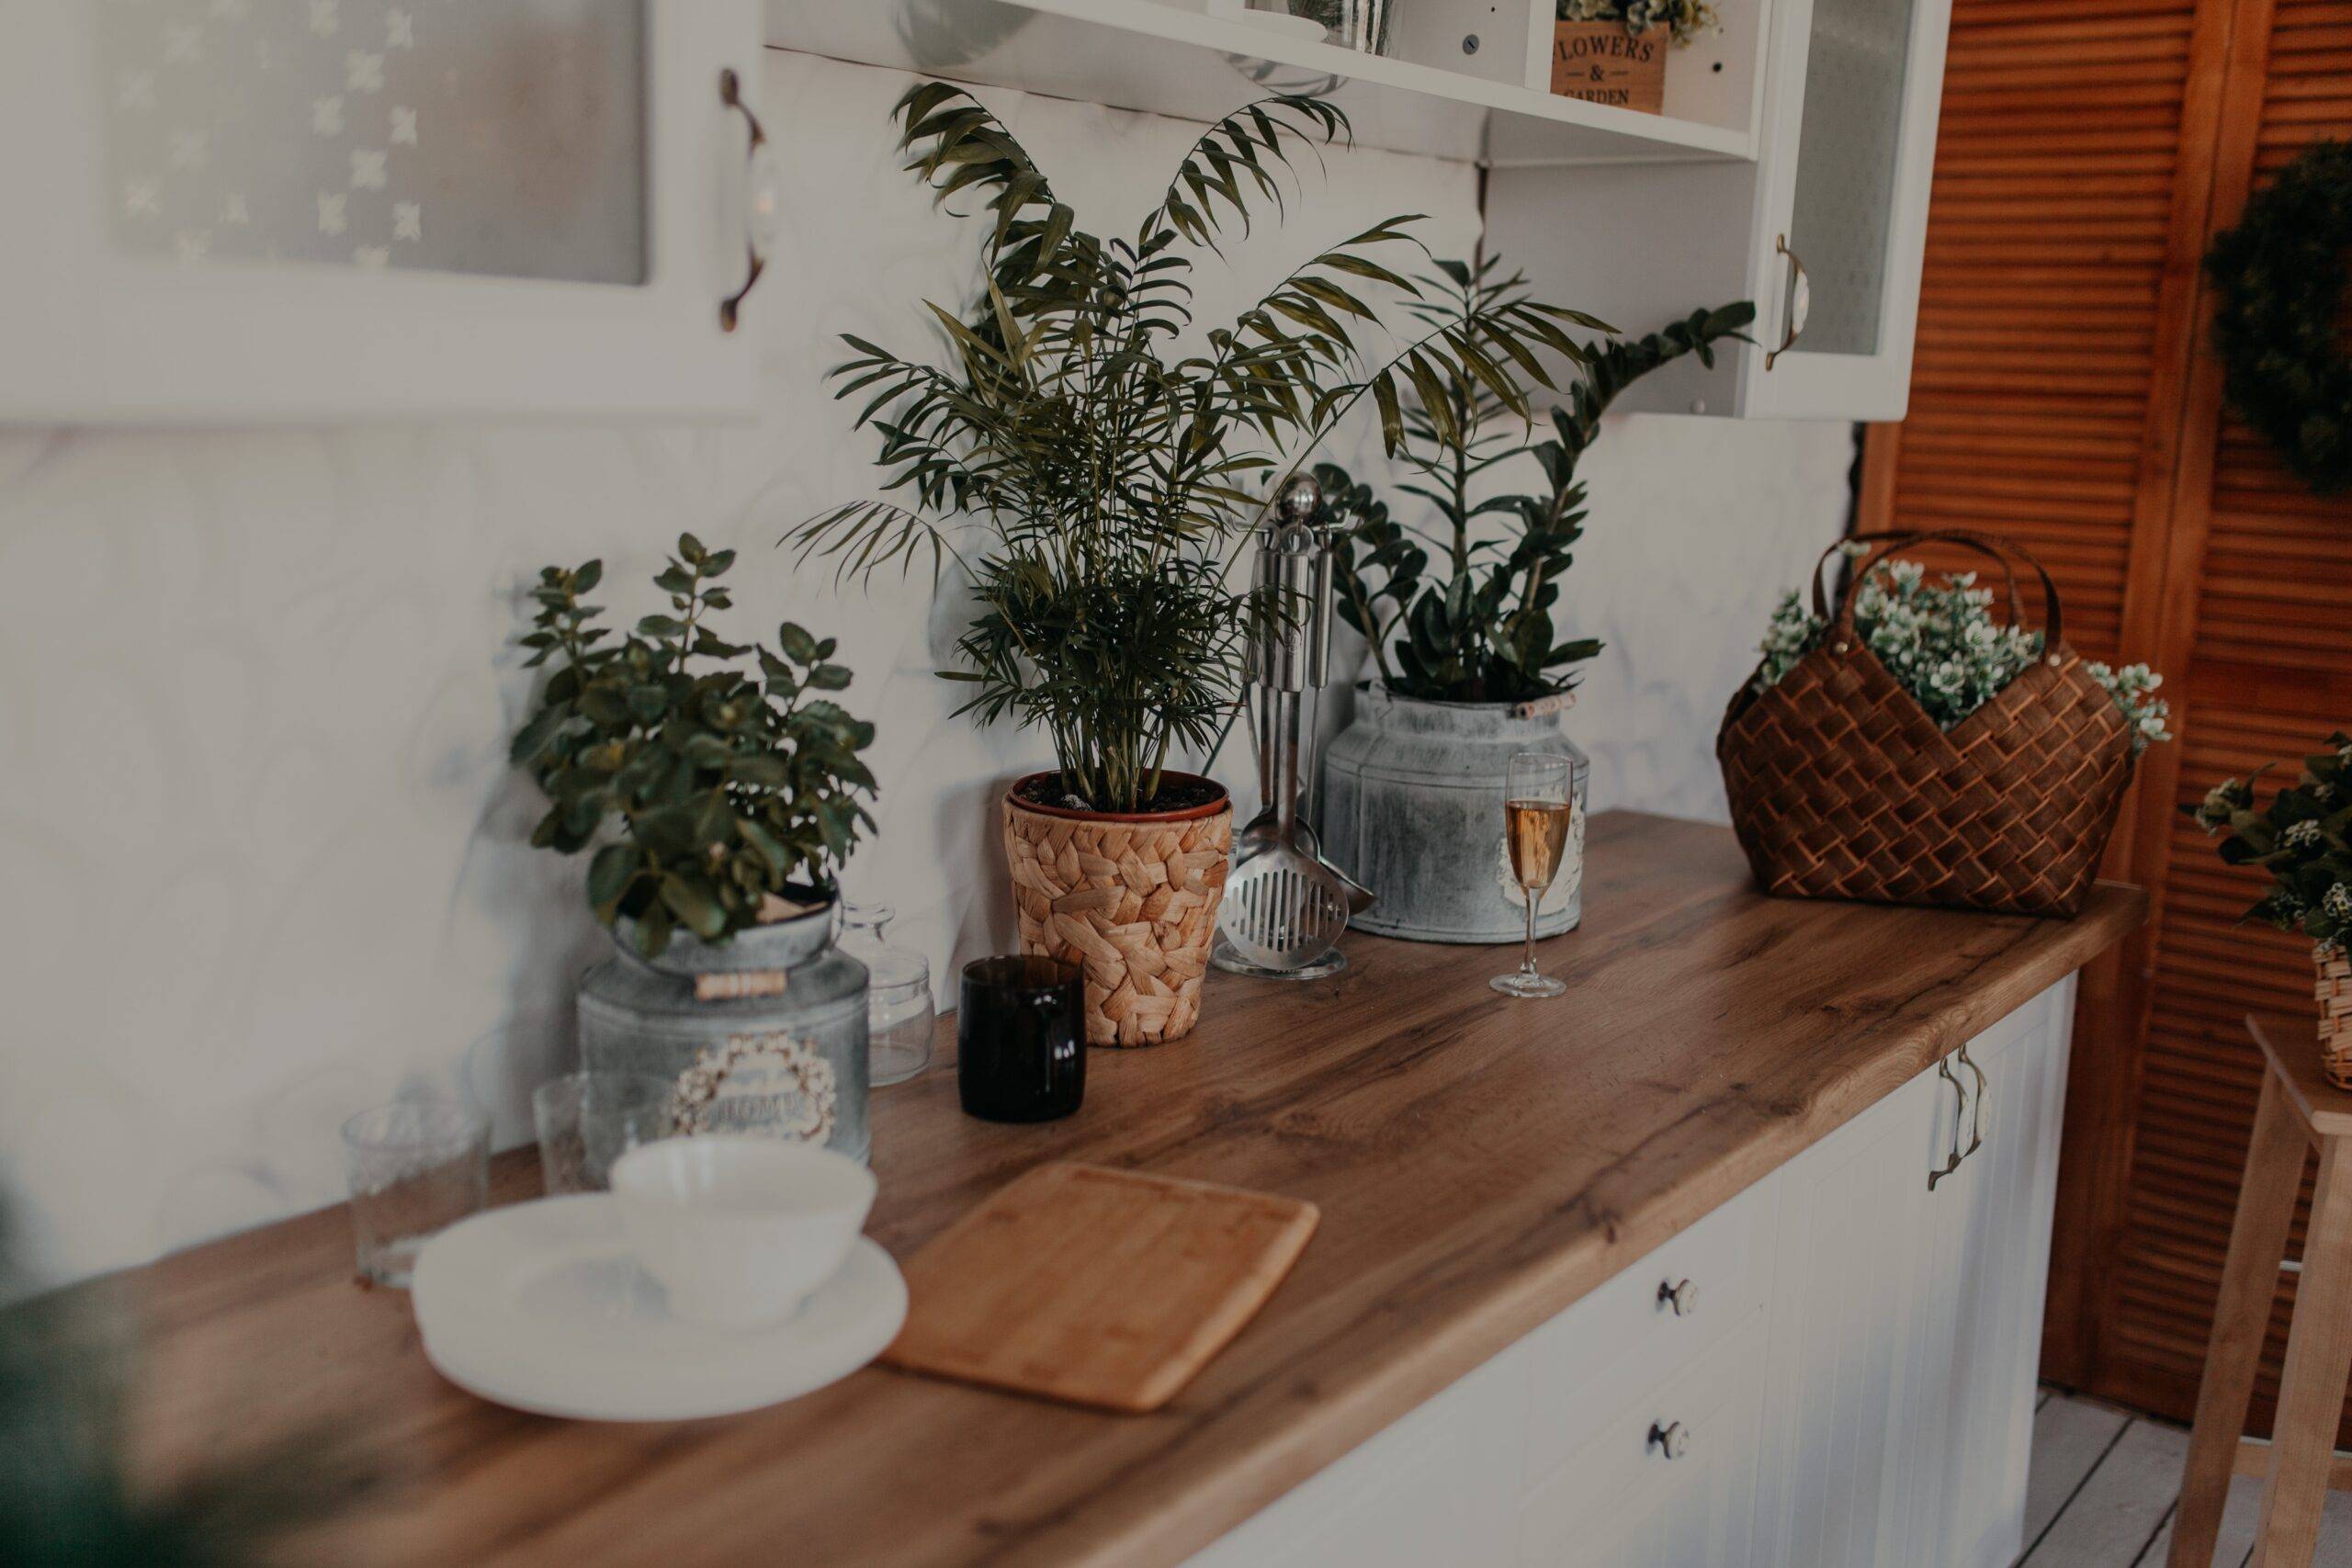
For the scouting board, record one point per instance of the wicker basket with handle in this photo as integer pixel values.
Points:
(1841, 787)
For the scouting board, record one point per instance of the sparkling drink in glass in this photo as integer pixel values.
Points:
(1537, 804)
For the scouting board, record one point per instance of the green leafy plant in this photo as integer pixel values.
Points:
(1683, 19)
(1111, 456)
(1941, 644)
(1480, 628)
(2302, 838)
(712, 788)
(67, 1493)
(2282, 280)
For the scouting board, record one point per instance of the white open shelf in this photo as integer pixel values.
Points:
(1186, 59)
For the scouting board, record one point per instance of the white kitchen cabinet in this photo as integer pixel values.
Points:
(320, 210)
(1852, 1377)
(1671, 1480)
(1835, 1368)
(1824, 231)
(1791, 168)
(1438, 1486)
(1992, 1217)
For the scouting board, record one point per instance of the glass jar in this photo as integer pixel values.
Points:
(899, 1014)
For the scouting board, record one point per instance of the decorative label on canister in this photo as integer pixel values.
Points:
(1562, 891)
(771, 1085)
(1603, 63)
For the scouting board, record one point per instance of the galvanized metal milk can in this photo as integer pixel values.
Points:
(764, 1032)
(1413, 809)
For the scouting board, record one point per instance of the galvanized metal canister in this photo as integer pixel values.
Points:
(791, 1064)
(1413, 809)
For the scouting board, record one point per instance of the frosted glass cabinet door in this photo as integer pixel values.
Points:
(237, 209)
(1850, 152)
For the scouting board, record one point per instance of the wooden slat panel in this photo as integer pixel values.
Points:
(2047, 236)
(2063, 397)
(2265, 669)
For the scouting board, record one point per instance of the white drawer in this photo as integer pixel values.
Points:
(1624, 1501)
(1625, 1338)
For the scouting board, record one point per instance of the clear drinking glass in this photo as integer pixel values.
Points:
(899, 1014)
(416, 1167)
(1536, 806)
(589, 1120)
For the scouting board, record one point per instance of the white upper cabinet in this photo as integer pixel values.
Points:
(1824, 231)
(327, 209)
(1851, 148)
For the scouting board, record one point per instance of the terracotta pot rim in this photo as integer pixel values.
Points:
(1223, 802)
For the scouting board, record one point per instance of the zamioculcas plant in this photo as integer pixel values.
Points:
(1479, 627)
(709, 788)
(1111, 454)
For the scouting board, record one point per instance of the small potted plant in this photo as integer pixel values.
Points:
(717, 784)
(1613, 51)
(1111, 455)
(1469, 668)
(2304, 840)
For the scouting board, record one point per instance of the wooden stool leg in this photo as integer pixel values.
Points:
(2274, 1171)
(2319, 1359)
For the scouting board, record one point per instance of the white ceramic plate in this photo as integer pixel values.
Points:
(541, 1306)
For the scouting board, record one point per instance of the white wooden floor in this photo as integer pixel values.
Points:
(2101, 1490)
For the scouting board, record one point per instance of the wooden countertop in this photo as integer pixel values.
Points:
(1481, 1163)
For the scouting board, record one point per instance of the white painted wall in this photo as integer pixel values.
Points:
(264, 861)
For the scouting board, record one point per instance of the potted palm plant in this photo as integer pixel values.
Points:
(1111, 455)
(1468, 667)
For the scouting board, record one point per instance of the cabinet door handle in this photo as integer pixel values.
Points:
(1671, 1439)
(1799, 301)
(762, 197)
(1682, 1296)
(1976, 1121)
(1959, 1105)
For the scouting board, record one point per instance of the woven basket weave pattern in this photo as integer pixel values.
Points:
(2334, 992)
(1842, 787)
(1135, 903)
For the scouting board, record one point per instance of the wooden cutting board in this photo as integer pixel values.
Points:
(1099, 1287)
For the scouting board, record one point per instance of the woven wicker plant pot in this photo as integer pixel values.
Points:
(2334, 991)
(1132, 897)
(1841, 787)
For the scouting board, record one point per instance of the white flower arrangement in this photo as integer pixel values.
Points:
(2302, 839)
(1683, 19)
(1940, 642)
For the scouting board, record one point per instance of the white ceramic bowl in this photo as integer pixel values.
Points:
(740, 1230)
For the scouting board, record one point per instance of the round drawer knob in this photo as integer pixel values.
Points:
(1671, 1439)
(1682, 1296)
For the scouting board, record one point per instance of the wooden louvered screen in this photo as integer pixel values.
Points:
(2061, 396)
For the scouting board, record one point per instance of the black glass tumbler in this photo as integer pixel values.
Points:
(1021, 1039)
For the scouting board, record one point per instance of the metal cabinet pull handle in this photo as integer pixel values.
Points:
(1671, 1439)
(1682, 1296)
(764, 199)
(1800, 299)
(1976, 1122)
(1960, 1103)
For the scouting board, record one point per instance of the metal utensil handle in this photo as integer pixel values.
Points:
(1285, 710)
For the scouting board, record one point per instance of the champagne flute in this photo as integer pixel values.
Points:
(1536, 806)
